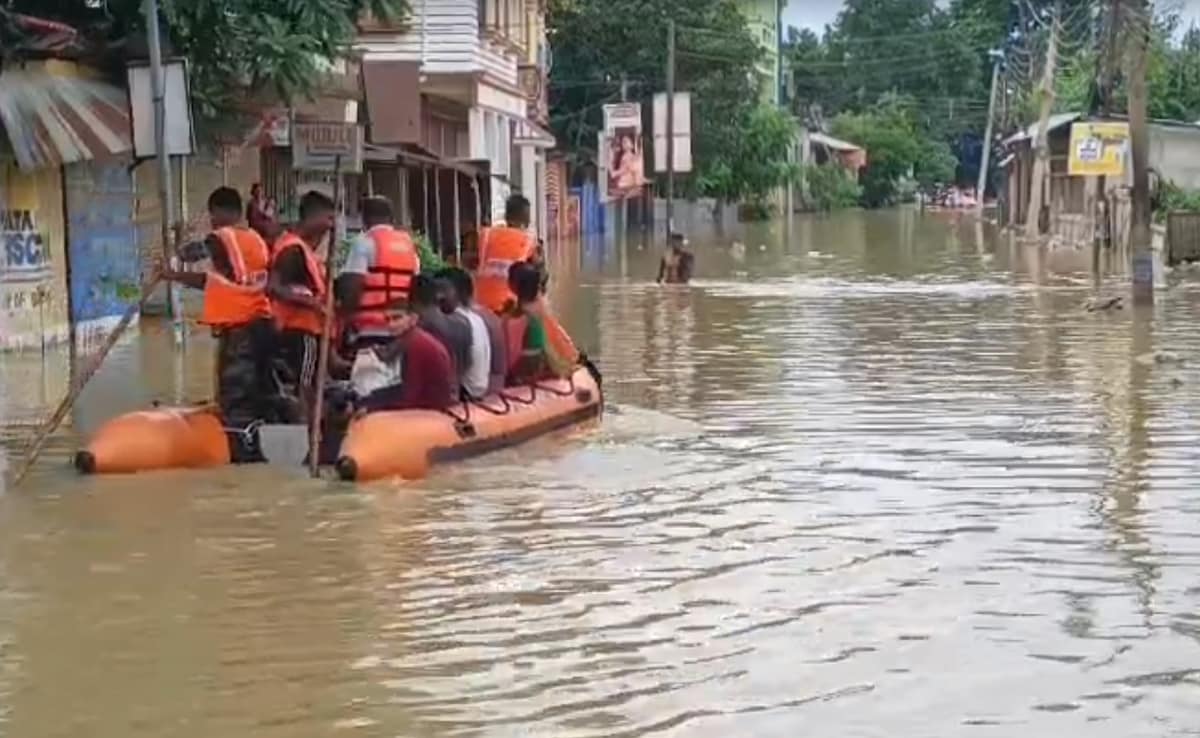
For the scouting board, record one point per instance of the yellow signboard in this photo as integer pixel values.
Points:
(1098, 149)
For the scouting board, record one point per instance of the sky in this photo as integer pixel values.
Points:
(815, 14)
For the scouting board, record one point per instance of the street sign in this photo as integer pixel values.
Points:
(316, 146)
(682, 124)
(1098, 149)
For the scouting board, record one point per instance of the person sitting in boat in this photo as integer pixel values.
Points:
(500, 247)
(676, 264)
(379, 270)
(497, 351)
(297, 290)
(425, 368)
(531, 355)
(238, 310)
(434, 303)
(457, 291)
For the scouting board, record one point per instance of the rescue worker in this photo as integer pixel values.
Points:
(378, 273)
(237, 309)
(297, 291)
(500, 248)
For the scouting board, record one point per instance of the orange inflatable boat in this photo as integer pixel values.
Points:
(380, 445)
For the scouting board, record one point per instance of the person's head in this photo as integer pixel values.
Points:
(676, 242)
(316, 216)
(447, 295)
(376, 210)
(424, 292)
(516, 212)
(401, 318)
(256, 191)
(224, 207)
(627, 143)
(464, 285)
(525, 281)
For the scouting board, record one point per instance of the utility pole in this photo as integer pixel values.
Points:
(623, 228)
(670, 127)
(1139, 139)
(166, 200)
(1041, 163)
(981, 188)
(1107, 62)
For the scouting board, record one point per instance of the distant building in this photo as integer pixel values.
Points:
(764, 20)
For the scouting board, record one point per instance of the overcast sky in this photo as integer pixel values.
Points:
(815, 14)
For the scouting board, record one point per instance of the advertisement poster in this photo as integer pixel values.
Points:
(622, 151)
(1098, 149)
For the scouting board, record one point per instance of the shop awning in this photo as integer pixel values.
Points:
(52, 119)
(531, 134)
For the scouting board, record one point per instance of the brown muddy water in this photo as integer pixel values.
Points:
(872, 475)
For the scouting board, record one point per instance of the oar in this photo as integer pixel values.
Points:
(81, 380)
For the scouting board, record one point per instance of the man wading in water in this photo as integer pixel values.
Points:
(676, 264)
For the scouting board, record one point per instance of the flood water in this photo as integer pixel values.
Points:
(872, 475)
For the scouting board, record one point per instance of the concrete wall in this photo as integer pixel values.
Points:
(762, 19)
(1175, 154)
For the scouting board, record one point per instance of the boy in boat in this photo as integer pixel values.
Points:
(426, 370)
(455, 295)
(531, 355)
(499, 249)
(494, 357)
(676, 264)
(434, 302)
(297, 290)
(237, 309)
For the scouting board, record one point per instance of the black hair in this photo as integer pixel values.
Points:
(516, 208)
(314, 202)
(225, 198)
(423, 292)
(461, 279)
(525, 280)
(377, 209)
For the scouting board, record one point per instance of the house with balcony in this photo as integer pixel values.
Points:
(456, 93)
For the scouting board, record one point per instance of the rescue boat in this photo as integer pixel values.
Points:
(381, 445)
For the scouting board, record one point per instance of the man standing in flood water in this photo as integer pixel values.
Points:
(676, 264)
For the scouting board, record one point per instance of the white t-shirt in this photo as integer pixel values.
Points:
(475, 379)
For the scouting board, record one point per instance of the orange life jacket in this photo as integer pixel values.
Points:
(557, 336)
(390, 278)
(243, 299)
(499, 249)
(289, 316)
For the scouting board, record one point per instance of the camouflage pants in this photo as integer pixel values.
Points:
(246, 391)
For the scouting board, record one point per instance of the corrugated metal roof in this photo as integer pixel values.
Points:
(52, 120)
(832, 143)
(1056, 121)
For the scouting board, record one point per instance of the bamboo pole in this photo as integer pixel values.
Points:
(81, 379)
(314, 431)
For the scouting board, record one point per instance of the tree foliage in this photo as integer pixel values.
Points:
(830, 187)
(755, 161)
(237, 48)
(598, 43)
(896, 147)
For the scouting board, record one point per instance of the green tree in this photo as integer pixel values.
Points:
(238, 49)
(597, 43)
(896, 147)
(753, 163)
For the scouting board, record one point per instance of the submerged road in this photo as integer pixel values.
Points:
(872, 475)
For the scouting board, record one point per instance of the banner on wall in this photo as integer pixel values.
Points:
(621, 151)
(1098, 149)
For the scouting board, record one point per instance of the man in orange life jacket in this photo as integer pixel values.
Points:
(378, 274)
(499, 249)
(297, 291)
(237, 309)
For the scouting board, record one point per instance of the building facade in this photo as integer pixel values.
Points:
(764, 19)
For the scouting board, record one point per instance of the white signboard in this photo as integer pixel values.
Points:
(317, 146)
(683, 132)
(179, 112)
(623, 151)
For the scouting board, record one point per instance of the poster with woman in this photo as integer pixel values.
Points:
(624, 155)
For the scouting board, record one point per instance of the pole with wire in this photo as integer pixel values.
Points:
(981, 188)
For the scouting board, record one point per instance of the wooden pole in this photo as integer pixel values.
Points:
(314, 429)
(981, 187)
(81, 379)
(1139, 140)
(1041, 162)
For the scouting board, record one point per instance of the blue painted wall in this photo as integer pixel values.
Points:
(102, 244)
